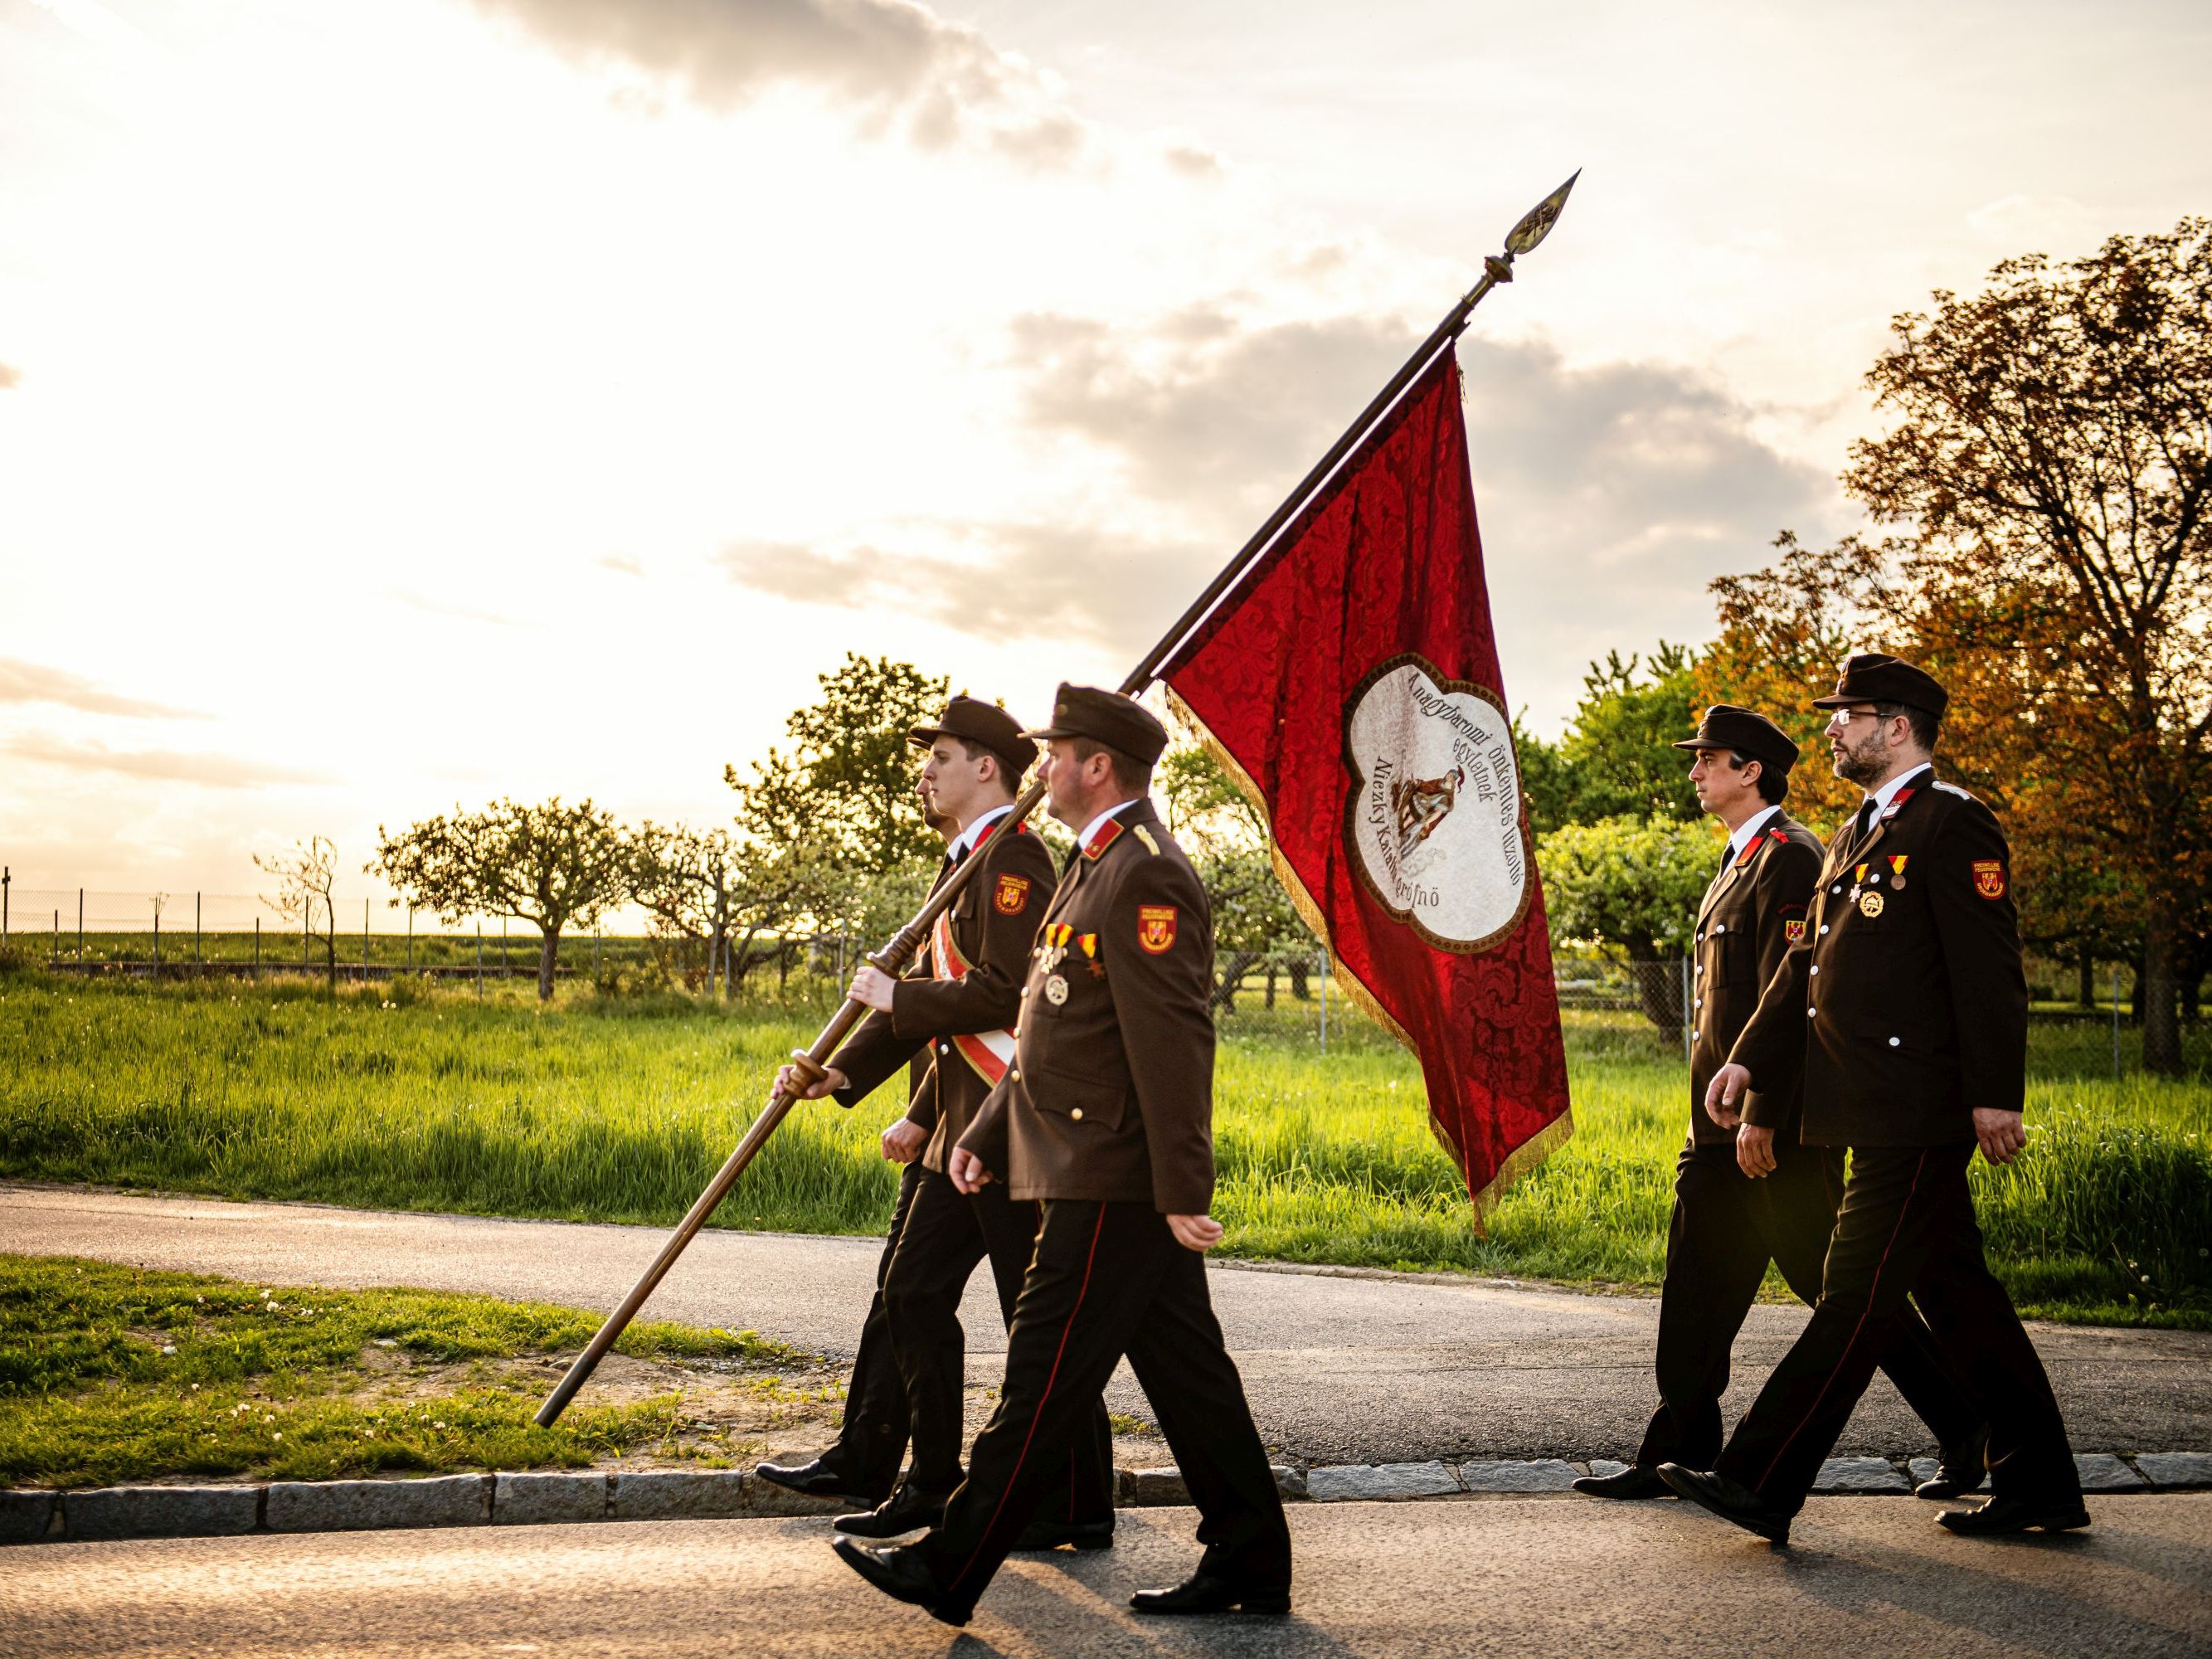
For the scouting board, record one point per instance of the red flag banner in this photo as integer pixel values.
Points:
(1350, 683)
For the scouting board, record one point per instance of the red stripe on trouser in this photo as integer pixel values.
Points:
(1873, 1290)
(1051, 1378)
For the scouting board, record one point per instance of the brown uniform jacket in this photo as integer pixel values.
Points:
(1906, 1007)
(993, 922)
(1110, 1096)
(1751, 915)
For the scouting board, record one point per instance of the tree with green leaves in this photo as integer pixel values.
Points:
(845, 783)
(1632, 884)
(553, 866)
(1616, 758)
(306, 877)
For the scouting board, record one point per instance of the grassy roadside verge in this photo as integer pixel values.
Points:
(111, 1373)
(405, 1099)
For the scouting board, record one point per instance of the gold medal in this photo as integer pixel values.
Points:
(1055, 990)
(1869, 905)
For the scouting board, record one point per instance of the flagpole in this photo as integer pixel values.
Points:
(812, 1062)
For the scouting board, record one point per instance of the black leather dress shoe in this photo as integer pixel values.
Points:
(1203, 1593)
(908, 1509)
(899, 1573)
(817, 1478)
(2004, 1515)
(1730, 1501)
(1631, 1482)
(1051, 1534)
(1959, 1470)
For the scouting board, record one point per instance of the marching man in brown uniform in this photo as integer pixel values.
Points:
(1106, 1117)
(956, 1013)
(1904, 1020)
(1749, 1193)
(863, 1465)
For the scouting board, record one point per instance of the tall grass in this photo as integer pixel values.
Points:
(401, 1097)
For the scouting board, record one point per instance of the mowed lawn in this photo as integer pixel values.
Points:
(396, 1097)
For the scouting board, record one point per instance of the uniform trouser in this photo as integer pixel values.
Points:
(1906, 1227)
(946, 1235)
(1109, 1280)
(1725, 1228)
(872, 1441)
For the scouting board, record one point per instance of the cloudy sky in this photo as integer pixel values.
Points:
(415, 402)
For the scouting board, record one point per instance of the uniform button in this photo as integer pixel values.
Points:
(1015, 1074)
(1823, 926)
(1893, 1043)
(1720, 927)
(1700, 1003)
(1816, 967)
(1837, 888)
(944, 1047)
(1809, 1012)
(1701, 967)
(1077, 1115)
(1025, 990)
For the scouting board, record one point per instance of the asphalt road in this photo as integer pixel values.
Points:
(1339, 1367)
(1868, 1577)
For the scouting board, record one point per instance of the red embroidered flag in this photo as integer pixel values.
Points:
(1351, 684)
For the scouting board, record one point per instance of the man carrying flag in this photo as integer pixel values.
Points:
(960, 1015)
(1106, 1116)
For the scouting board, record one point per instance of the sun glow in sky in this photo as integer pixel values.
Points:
(419, 402)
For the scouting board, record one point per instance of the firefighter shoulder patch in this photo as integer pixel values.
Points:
(1793, 932)
(1156, 927)
(1990, 878)
(1012, 895)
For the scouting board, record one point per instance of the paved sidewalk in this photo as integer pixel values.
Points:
(1340, 1368)
(1459, 1576)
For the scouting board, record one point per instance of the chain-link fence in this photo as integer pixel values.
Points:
(1283, 996)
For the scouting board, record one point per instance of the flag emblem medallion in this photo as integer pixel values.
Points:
(1156, 927)
(1433, 820)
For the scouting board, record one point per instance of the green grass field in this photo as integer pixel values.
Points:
(401, 1097)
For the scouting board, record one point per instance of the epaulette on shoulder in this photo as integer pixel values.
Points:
(1954, 789)
(1145, 836)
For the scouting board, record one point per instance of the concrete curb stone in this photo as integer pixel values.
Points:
(1860, 1475)
(444, 1500)
(160, 1511)
(1603, 1466)
(25, 1517)
(1348, 1482)
(766, 1498)
(1543, 1475)
(1923, 1469)
(1149, 1486)
(1288, 1481)
(544, 1499)
(2175, 1471)
(699, 1495)
(2103, 1471)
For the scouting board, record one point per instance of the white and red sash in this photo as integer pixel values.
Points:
(989, 1052)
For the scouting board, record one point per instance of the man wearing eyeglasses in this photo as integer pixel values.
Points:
(1903, 1023)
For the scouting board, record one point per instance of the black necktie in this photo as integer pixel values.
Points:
(1864, 823)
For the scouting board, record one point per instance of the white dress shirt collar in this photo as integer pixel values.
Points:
(967, 838)
(1882, 797)
(1091, 828)
(1742, 835)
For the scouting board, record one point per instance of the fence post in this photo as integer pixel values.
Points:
(58, 935)
(479, 958)
(157, 941)
(257, 948)
(410, 936)
(505, 972)
(80, 926)
(198, 958)
(1324, 1002)
(1689, 1026)
(2116, 1022)
(7, 875)
(364, 941)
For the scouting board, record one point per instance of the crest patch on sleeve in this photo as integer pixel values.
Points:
(1990, 878)
(1793, 932)
(1012, 894)
(1156, 927)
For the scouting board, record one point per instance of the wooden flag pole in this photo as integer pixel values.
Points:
(812, 1062)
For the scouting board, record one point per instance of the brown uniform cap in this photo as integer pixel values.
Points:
(985, 723)
(1107, 717)
(1872, 676)
(1745, 731)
